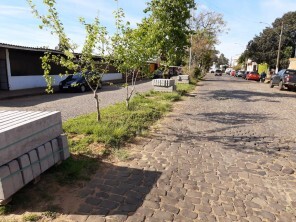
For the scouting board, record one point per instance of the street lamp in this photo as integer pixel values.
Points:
(279, 48)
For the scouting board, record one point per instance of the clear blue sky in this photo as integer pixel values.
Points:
(18, 26)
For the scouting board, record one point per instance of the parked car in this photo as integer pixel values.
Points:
(284, 78)
(253, 76)
(233, 73)
(239, 73)
(158, 74)
(218, 72)
(77, 82)
(245, 74)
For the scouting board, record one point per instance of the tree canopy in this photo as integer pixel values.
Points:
(264, 47)
(170, 30)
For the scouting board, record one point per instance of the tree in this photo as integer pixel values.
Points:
(169, 30)
(131, 52)
(264, 47)
(222, 60)
(207, 26)
(84, 62)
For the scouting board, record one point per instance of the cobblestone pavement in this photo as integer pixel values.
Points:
(72, 104)
(228, 153)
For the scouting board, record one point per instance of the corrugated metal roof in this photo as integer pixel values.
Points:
(40, 49)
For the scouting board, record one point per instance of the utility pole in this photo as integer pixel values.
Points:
(279, 50)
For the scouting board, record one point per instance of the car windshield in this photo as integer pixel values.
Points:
(291, 72)
(74, 77)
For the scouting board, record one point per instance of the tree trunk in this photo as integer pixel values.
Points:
(97, 106)
(127, 103)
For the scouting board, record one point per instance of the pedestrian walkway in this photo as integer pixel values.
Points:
(5, 94)
(216, 157)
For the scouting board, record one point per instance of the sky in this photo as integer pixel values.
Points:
(18, 26)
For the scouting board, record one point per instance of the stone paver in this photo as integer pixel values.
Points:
(225, 154)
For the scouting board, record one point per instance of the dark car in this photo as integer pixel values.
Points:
(244, 75)
(284, 78)
(77, 82)
(218, 72)
(158, 74)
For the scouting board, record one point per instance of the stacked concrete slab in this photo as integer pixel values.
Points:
(164, 85)
(30, 143)
(181, 78)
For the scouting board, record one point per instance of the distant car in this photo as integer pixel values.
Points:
(158, 74)
(239, 73)
(232, 73)
(284, 78)
(77, 82)
(245, 74)
(253, 76)
(218, 72)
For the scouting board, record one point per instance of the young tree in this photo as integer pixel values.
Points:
(83, 63)
(131, 52)
(169, 30)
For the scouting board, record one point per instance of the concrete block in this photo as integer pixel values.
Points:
(6, 183)
(22, 131)
(42, 158)
(56, 151)
(49, 154)
(164, 88)
(183, 77)
(26, 168)
(16, 173)
(163, 82)
(35, 163)
(63, 143)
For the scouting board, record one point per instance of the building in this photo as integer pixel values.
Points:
(21, 68)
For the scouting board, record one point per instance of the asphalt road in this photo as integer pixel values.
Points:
(72, 104)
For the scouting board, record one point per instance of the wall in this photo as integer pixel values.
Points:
(263, 67)
(292, 63)
(26, 82)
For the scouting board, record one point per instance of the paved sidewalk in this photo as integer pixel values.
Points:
(5, 94)
(220, 156)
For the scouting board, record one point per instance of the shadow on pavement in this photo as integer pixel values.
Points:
(229, 118)
(247, 96)
(113, 190)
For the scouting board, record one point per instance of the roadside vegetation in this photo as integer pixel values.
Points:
(91, 142)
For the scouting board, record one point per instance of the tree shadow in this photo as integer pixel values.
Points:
(112, 190)
(229, 118)
(230, 131)
(247, 96)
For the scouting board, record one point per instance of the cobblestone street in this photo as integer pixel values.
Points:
(226, 153)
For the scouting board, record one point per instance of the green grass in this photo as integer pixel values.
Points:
(118, 125)
(91, 141)
(31, 217)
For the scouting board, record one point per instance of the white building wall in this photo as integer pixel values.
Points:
(27, 82)
(34, 81)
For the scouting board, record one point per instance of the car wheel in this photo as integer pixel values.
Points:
(271, 84)
(82, 88)
(281, 85)
(290, 88)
